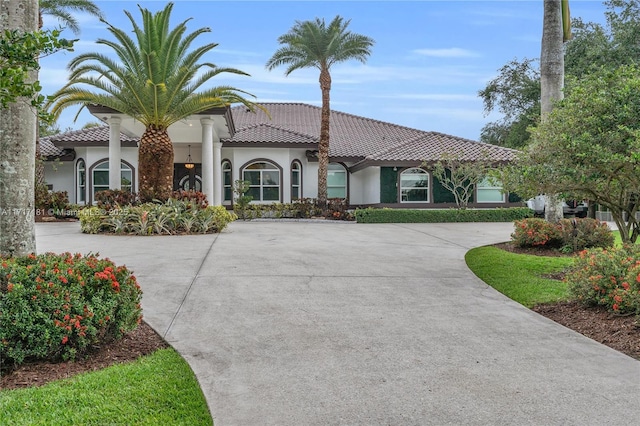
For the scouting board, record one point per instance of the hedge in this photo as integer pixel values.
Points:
(386, 215)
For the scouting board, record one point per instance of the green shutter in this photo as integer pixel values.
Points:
(388, 185)
(440, 193)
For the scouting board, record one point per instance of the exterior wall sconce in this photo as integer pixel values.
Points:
(189, 164)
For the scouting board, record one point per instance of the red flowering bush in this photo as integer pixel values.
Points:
(535, 232)
(570, 234)
(609, 278)
(56, 306)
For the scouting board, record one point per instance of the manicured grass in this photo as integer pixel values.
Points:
(159, 389)
(519, 276)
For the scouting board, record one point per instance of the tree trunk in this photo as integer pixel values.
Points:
(155, 165)
(323, 145)
(17, 149)
(551, 79)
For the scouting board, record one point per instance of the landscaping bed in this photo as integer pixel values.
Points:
(141, 341)
(620, 332)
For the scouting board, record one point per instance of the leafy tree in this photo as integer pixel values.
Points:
(515, 93)
(588, 148)
(460, 177)
(155, 80)
(592, 46)
(19, 53)
(63, 10)
(314, 44)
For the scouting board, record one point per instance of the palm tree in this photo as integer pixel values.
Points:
(556, 29)
(313, 44)
(154, 80)
(17, 151)
(63, 10)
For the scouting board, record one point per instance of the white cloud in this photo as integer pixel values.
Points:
(452, 52)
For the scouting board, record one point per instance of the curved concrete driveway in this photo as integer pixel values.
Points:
(350, 324)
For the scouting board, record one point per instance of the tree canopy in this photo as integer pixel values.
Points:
(589, 147)
(515, 92)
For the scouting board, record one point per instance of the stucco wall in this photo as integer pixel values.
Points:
(59, 174)
(364, 186)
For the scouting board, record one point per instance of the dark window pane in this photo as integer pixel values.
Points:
(271, 194)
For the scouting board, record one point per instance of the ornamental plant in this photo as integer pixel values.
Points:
(569, 234)
(609, 278)
(175, 216)
(536, 232)
(58, 306)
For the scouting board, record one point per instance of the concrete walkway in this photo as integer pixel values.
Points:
(351, 324)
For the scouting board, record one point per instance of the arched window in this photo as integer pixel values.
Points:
(414, 186)
(264, 181)
(336, 181)
(227, 183)
(296, 180)
(81, 180)
(100, 177)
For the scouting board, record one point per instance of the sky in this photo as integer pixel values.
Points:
(429, 60)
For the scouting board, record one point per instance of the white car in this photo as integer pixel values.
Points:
(569, 207)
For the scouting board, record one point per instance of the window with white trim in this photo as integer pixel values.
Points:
(296, 180)
(336, 181)
(489, 190)
(414, 186)
(264, 181)
(101, 177)
(227, 183)
(81, 179)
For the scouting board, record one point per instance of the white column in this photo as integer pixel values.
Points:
(217, 173)
(207, 159)
(115, 181)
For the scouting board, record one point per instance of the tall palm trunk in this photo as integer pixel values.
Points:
(155, 164)
(17, 149)
(552, 79)
(323, 145)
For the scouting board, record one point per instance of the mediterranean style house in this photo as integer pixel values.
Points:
(372, 163)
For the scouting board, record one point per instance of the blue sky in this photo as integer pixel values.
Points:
(429, 61)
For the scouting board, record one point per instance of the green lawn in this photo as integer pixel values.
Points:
(159, 389)
(519, 276)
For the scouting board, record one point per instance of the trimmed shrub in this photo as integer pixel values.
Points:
(56, 306)
(535, 232)
(386, 215)
(609, 278)
(579, 234)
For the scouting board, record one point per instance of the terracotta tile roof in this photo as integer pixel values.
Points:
(269, 133)
(432, 145)
(87, 137)
(355, 137)
(48, 149)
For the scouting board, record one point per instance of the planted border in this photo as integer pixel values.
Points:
(386, 215)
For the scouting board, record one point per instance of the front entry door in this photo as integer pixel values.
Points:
(187, 179)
